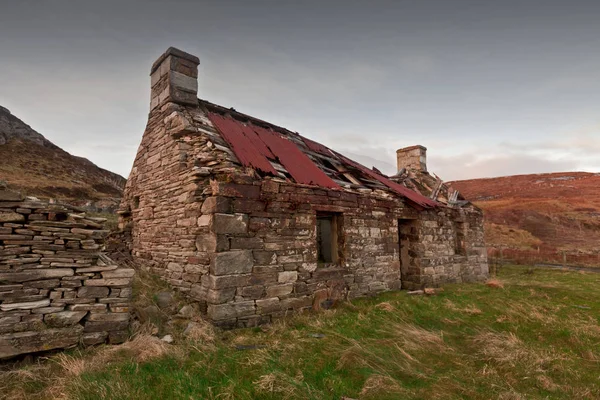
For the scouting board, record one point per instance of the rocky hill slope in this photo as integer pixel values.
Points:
(32, 164)
(559, 210)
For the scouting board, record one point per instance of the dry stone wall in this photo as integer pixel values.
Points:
(56, 287)
(447, 246)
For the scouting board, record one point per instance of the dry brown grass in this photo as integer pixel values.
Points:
(281, 384)
(525, 311)
(200, 330)
(501, 347)
(417, 338)
(470, 309)
(376, 385)
(385, 306)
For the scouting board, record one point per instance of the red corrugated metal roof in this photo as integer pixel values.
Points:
(254, 145)
(258, 143)
(302, 168)
(249, 154)
(411, 195)
(316, 147)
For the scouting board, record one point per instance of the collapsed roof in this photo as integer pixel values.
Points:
(275, 151)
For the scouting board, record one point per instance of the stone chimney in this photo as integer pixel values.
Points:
(174, 78)
(413, 157)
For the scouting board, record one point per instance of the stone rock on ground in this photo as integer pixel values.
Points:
(187, 312)
(164, 299)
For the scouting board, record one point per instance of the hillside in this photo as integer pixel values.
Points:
(37, 167)
(559, 210)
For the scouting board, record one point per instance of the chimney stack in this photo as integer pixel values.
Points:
(413, 157)
(174, 78)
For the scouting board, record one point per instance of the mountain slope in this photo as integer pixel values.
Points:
(559, 210)
(37, 167)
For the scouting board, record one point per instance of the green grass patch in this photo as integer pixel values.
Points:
(537, 337)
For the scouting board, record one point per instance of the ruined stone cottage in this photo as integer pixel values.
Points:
(252, 220)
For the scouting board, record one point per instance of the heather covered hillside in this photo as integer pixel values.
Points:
(559, 210)
(35, 166)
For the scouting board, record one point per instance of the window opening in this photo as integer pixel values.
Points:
(329, 238)
(460, 246)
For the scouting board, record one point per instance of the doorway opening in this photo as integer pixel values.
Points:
(407, 237)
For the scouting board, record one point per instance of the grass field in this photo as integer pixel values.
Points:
(536, 337)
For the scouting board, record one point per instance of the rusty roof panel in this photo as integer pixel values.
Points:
(257, 142)
(243, 147)
(316, 147)
(411, 195)
(302, 168)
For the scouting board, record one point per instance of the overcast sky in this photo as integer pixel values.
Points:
(490, 87)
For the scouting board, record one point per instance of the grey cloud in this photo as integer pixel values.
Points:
(466, 167)
(487, 86)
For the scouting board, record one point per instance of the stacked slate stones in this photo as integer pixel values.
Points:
(56, 287)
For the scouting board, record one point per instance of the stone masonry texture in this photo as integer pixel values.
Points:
(57, 289)
(244, 246)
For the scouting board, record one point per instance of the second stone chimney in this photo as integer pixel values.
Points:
(413, 157)
(174, 78)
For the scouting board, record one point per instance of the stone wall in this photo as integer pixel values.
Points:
(56, 287)
(265, 262)
(244, 247)
(164, 196)
(447, 246)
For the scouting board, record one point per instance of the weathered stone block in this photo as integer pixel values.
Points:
(220, 296)
(297, 303)
(30, 342)
(111, 282)
(230, 223)
(10, 195)
(30, 305)
(287, 277)
(205, 220)
(93, 291)
(267, 306)
(92, 338)
(64, 318)
(87, 307)
(231, 310)
(11, 217)
(232, 262)
(225, 281)
(252, 292)
(216, 204)
(206, 242)
(34, 275)
(119, 273)
(104, 317)
(280, 290)
(246, 243)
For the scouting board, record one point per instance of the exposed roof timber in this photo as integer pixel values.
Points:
(303, 159)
